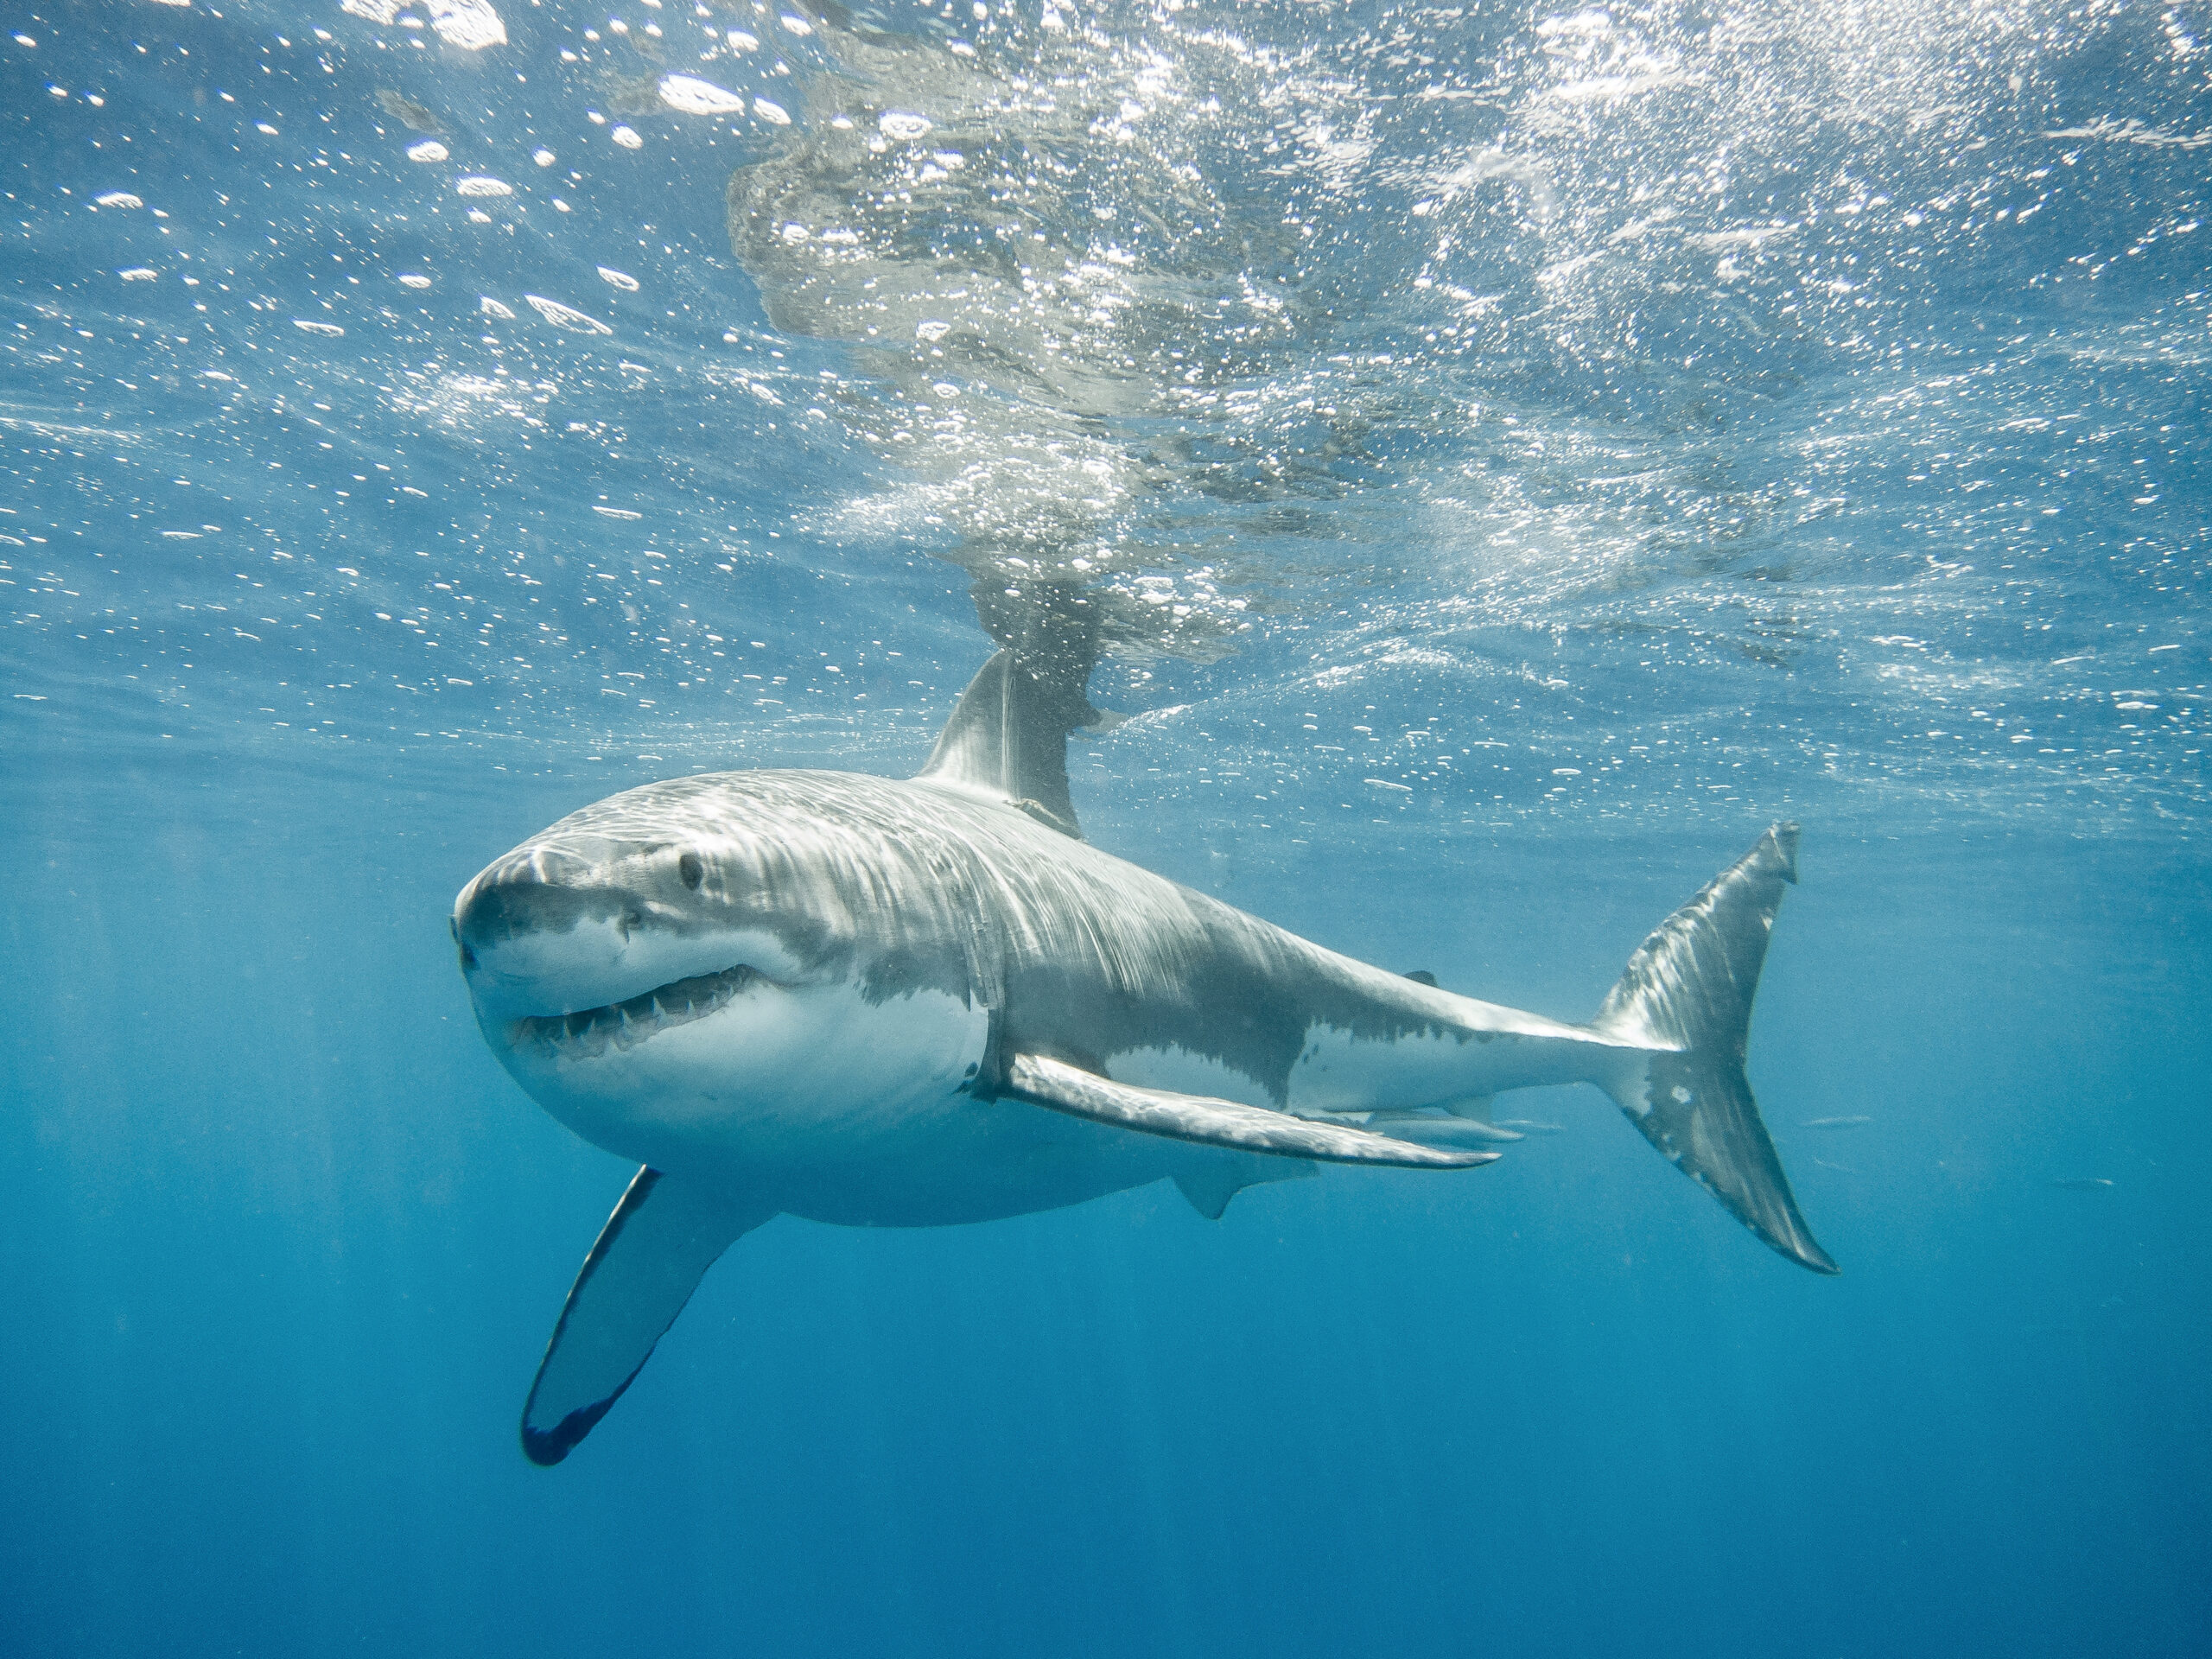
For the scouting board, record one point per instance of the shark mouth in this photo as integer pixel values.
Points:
(592, 1032)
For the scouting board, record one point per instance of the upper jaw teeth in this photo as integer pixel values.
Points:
(591, 1030)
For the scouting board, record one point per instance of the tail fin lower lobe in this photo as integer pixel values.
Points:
(1686, 997)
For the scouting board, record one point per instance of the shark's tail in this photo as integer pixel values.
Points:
(1686, 998)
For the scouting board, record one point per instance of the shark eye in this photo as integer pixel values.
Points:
(691, 870)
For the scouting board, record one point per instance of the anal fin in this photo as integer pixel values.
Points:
(649, 1257)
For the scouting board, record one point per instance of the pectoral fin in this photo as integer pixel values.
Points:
(1431, 1130)
(660, 1240)
(1215, 1123)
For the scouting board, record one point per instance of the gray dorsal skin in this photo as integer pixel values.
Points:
(873, 1001)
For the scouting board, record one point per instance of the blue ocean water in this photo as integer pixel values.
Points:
(418, 422)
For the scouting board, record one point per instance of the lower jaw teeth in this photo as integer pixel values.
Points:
(641, 1016)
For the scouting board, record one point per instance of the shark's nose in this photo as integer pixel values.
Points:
(529, 939)
(468, 953)
(516, 904)
(531, 897)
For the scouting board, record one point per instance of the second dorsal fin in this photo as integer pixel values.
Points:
(1008, 739)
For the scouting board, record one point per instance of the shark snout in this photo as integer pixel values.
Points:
(549, 930)
(491, 914)
(543, 931)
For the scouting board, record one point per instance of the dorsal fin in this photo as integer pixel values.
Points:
(1008, 739)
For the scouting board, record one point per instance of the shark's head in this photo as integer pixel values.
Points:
(644, 974)
(567, 925)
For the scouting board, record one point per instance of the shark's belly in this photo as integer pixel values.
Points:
(1336, 1071)
(962, 1160)
(834, 1108)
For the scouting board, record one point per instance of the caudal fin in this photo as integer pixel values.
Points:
(1686, 998)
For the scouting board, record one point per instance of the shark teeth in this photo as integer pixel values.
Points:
(619, 1024)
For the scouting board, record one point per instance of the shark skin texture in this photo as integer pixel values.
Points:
(910, 1002)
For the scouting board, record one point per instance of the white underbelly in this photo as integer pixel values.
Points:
(1178, 1071)
(826, 1105)
(1338, 1072)
(1334, 1072)
(781, 1076)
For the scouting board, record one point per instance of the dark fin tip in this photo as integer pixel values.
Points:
(546, 1447)
(1421, 976)
(1809, 1255)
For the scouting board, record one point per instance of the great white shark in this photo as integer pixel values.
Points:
(910, 1002)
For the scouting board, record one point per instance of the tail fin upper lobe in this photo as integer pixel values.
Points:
(1686, 996)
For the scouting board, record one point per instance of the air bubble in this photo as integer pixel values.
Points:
(695, 97)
